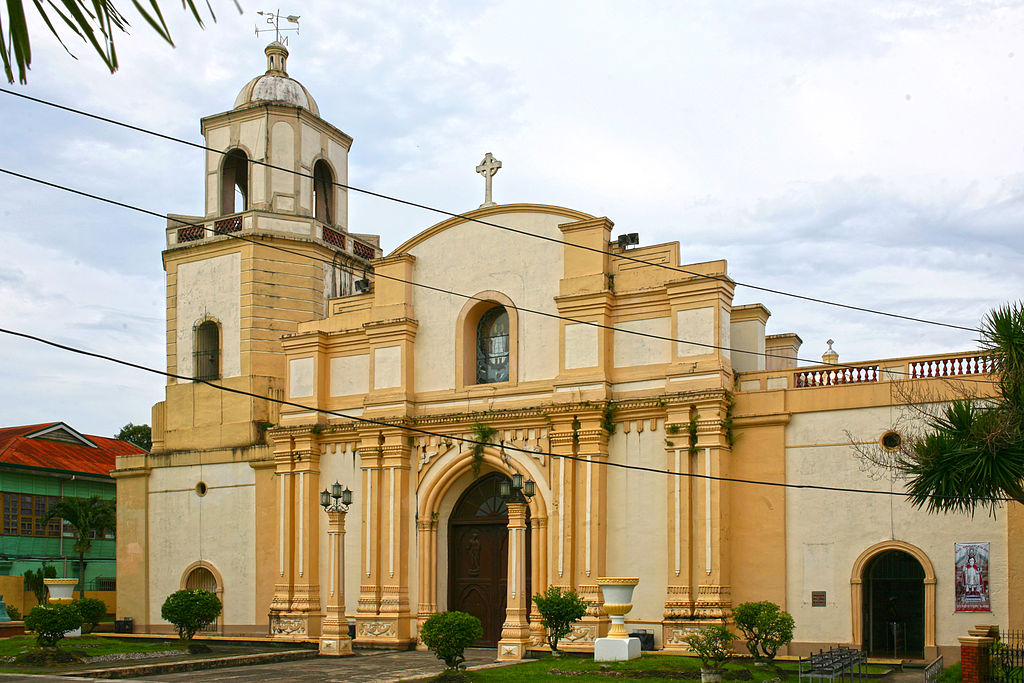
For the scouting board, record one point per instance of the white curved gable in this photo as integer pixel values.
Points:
(470, 258)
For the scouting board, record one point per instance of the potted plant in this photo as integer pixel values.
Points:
(713, 644)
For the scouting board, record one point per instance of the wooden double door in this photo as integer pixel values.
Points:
(478, 556)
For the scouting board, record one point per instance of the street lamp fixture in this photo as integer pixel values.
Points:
(342, 498)
(517, 490)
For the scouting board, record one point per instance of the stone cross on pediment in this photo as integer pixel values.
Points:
(487, 168)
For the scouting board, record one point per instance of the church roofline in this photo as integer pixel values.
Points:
(484, 212)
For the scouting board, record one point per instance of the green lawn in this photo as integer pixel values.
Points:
(677, 668)
(87, 646)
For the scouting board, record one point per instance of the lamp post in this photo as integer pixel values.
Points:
(515, 632)
(334, 638)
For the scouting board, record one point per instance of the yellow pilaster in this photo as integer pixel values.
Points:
(515, 632)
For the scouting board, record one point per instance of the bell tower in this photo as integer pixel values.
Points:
(271, 248)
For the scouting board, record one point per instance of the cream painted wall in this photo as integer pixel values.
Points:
(819, 452)
(631, 349)
(724, 333)
(342, 465)
(185, 527)
(580, 346)
(252, 135)
(339, 160)
(300, 377)
(210, 288)
(350, 375)
(749, 336)
(387, 367)
(472, 258)
(637, 510)
(282, 153)
(695, 325)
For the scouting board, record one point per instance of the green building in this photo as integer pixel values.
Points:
(39, 464)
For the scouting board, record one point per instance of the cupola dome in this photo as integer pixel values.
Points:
(275, 85)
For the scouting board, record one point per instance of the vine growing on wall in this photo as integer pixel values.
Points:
(482, 435)
(608, 417)
(575, 433)
(730, 401)
(692, 429)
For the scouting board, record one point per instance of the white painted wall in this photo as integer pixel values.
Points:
(695, 325)
(580, 346)
(300, 377)
(819, 452)
(342, 465)
(210, 288)
(632, 349)
(185, 527)
(472, 258)
(637, 510)
(350, 375)
(387, 367)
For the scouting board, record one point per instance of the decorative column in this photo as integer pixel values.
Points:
(515, 632)
(678, 598)
(335, 640)
(426, 541)
(539, 576)
(295, 609)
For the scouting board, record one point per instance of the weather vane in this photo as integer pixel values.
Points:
(274, 19)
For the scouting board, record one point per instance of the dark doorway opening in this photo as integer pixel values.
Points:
(478, 556)
(893, 609)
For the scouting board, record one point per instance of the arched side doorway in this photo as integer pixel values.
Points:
(203, 576)
(893, 603)
(478, 556)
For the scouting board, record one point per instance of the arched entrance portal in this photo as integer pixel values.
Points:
(478, 556)
(893, 605)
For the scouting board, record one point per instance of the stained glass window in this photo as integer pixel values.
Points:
(492, 347)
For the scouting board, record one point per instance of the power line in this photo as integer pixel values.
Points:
(450, 214)
(455, 437)
(341, 267)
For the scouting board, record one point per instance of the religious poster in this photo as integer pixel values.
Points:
(972, 577)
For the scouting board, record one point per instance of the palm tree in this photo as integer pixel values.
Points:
(973, 453)
(90, 517)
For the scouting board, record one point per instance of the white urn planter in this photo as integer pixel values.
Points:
(618, 600)
(63, 591)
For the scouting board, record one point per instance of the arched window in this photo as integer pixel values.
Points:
(323, 192)
(206, 351)
(234, 182)
(492, 346)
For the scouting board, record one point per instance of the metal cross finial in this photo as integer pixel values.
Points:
(274, 19)
(487, 168)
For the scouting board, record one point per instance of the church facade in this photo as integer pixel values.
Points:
(665, 435)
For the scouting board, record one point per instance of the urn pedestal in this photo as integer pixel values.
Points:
(618, 600)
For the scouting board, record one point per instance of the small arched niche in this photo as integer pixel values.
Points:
(323, 193)
(234, 182)
(206, 351)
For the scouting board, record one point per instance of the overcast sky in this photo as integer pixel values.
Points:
(865, 152)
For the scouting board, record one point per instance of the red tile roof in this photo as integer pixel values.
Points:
(18, 447)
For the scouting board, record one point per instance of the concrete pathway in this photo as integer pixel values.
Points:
(364, 667)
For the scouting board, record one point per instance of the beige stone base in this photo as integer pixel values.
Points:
(511, 651)
(380, 631)
(340, 646)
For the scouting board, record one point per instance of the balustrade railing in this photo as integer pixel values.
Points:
(334, 237)
(951, 367)
(191, 233)
(361, 250)
(233, 224)
(835, 376)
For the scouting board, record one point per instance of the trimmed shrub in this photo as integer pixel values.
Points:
(34, 582)
(765, 626)
(92, 610)
(713, 644)
(448, 634)
(14, 613)
(558, 610)
(51, 622)
(190, 610)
